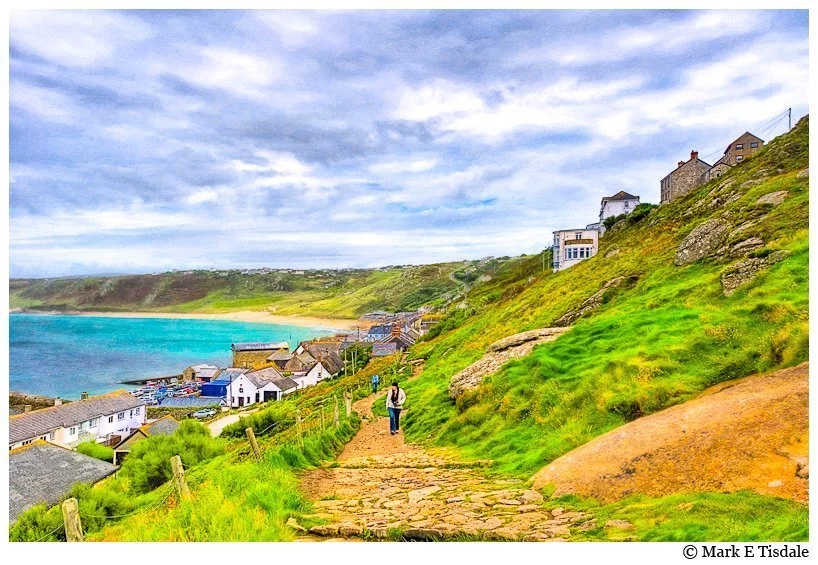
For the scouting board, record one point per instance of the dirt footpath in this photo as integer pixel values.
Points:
(750, 433)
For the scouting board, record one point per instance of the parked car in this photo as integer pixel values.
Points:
(204, 413)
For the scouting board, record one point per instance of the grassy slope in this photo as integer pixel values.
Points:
(339, 294)
(668, 336)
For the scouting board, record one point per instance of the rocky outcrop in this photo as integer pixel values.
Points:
(746, 246)
(774, 198)
(803, 173)
(702, 242)
(499, 352)
(745, 271)
(612, 252)
(591, 303)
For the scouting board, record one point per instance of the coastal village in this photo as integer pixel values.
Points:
(43, 461)
(46, 439)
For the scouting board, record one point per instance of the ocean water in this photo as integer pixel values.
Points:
(64, 355)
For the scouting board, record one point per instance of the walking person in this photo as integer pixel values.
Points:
(376, 381)
(394, 404)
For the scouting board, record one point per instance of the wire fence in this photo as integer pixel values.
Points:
(163, 498)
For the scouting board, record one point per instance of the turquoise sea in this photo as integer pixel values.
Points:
(64, 355)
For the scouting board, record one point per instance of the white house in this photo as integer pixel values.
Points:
(258, 386)
(574, 246)
(102, 418)
(616, 205)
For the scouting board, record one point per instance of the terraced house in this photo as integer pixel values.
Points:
(104, 418)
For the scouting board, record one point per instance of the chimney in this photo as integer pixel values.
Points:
(84, 396)
(27, 408)
(58, 401)
(694, 155)
(396, 331)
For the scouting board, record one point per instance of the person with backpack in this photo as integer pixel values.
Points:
(394, 404)
(376, 381)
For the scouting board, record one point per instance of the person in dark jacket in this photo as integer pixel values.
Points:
(394, 404)
(376, 381)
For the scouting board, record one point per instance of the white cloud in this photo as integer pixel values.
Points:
(202, 196)
(409, 166)
(231, 70)
(45, 103)
(659, 37)
(438, 98)
(75, 38)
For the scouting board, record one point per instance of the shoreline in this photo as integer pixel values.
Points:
(331, 324)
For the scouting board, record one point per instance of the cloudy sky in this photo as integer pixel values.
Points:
(146, 141)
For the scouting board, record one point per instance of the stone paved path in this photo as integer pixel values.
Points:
(380, 483)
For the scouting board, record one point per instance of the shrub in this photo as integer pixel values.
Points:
(640, 212)
(94, 449)
(148, 463)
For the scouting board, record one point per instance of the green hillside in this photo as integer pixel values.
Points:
(345, 293)
(663, 335)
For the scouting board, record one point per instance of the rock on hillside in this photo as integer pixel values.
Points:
(502, 350)
(750, 433)
(702, 242)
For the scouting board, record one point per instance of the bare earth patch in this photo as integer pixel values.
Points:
(750, 433)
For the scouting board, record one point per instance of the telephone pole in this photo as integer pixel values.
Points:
(789, 114)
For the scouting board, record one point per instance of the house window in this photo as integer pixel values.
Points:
(136, 410)
(72, 431)
(739, 158)
(27, 442)
(120, 416)
(110, 419)
(578, 235)
(94, 422)
(753, 144)
(582, 253)
(739, 146)
(51, 436)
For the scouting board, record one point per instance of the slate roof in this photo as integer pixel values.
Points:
(190, 402)
(327, 354)
(380, 329)
(621, 195)
(285, 384)
(259, 346)
(44, 472)
(39, 422)
(162, 427)
(303, 362)
(280, 355)
(228, 375)
(263, 376)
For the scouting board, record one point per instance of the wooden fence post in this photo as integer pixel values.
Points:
(348, 403)
(179, 477)
(335, 415)
(323, 424)
(253, 443)
(71, 520)
(298, 427)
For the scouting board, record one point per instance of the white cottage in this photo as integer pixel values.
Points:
(616, 205)
(101, 418)
(259, 386)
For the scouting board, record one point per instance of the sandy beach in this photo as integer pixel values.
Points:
(243, 316)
